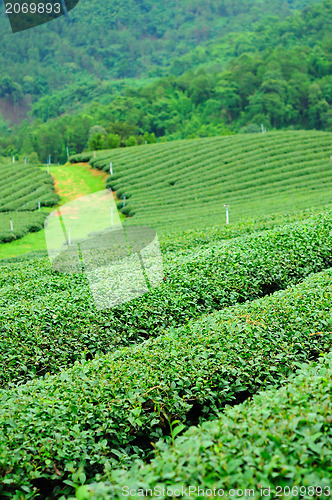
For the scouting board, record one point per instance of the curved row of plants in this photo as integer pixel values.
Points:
(49, 319)
(67, 428)
(22, 186)
(23, 223)
(191, 180)
(278, 443)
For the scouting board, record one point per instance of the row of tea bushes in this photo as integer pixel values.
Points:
(183, 241)
(49, 319)
(185, 184)
(71, 427)
(279, 443)
(22, 186)
(23, 223)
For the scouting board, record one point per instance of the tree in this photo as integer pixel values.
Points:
(97, 141)
(113, 141)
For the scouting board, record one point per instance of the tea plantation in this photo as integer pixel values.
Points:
(218, 378)
(185, 184)
(21, 187)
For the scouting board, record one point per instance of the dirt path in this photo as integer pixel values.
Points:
(74, 181)
(70, 182)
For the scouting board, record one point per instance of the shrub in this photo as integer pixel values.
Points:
(113, 141)
(195, 283)
(81, 419)
(131, 141)
(33, 158)
(280, 442)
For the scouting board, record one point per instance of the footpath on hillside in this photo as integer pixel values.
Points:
(71, 182)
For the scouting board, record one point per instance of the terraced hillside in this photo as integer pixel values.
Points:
(93, 400)
(21, 188)
(185, 184)
(86, 391)
(259, 446)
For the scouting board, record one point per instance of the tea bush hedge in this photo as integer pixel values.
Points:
(280, 441)
(22, 186)
(23, 223)
(49, 319)
(70, 427)
(185, 184)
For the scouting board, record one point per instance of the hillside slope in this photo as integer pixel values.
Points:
(185, 184)
(275, 72)
(126, 38)
(23, 189)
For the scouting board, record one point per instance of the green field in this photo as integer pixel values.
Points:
(218, 377)
(185, 184)
(22, 188)
(71, 182)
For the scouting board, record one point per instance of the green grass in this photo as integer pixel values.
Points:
(184, 184)
(71, 182)
(74, 181)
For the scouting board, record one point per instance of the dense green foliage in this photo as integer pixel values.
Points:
(68, 427)
(49, 319)
(184, 185)
(85, 391)
(21, 187)
(122, 39)
(278, 75)
(280, 439)
(91, 396)
(23, 223)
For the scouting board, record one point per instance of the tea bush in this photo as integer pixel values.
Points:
(49, 319)
(23, 223)
(81, 419)
(22, 186)
(185, 184)
(280, 442)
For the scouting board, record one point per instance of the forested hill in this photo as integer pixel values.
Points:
(122, 39)
(275, 72)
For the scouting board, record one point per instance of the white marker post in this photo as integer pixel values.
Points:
(67, 148)
(11, 225)
(124, 201)
(39, 205)
(111, 168)
(263, 129)
(227, 216)
(26, 160)
(13, 159)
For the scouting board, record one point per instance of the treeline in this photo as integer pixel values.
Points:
(121, 39)
(279, 85)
